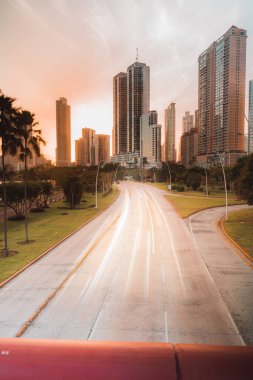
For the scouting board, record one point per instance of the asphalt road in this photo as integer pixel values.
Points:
(135, 273)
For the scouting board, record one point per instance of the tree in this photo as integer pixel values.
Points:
(46, 190)
(31, 139)
(73, 190)
(193, 180)
(10, 144)
(244, 181)
(15, 196)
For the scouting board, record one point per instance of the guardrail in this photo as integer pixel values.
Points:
(26, 359)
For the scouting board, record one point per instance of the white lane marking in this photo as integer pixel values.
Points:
(236, 329)
(152, 225)
(147, 265)
(163, 274)
(172, 245)
(166, 327)
(134, 250)
(191, 232)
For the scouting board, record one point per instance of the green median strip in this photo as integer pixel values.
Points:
(187, 205)
(240, 227)
(45, 230)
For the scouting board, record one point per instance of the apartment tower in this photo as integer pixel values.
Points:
(119, 132)
(170, 133)
(250, 119)
(85, 148)
(138, 100)
(187, 122)
(150, 138)
(221, 96)
(63, 133)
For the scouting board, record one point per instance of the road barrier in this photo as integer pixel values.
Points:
(29, 359)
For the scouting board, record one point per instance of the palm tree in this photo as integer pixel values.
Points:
(31, 139)
(10, 144)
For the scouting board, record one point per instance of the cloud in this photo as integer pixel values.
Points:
(56, 48)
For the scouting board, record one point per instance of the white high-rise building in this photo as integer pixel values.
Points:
(170, 133)
(138, 100)
(150, 138)
(250, 118)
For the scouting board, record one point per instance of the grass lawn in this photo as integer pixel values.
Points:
(240, 228)
(187, 205)
(46, 229)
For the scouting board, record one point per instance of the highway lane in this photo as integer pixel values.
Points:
(142, 278)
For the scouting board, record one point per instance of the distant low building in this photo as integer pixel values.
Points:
(102, 148)
(85, 148)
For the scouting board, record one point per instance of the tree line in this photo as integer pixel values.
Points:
(19, 136)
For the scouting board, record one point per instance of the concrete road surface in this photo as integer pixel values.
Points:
(135, 273)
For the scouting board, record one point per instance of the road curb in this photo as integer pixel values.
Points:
(3, 283)
(220, 224)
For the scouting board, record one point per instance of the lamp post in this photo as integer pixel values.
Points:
(205, 166)
(169, 174)
(225, 183)
(96, 206)
(115, 176)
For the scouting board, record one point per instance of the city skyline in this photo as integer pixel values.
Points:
(59, 51)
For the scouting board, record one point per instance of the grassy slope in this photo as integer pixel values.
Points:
(189, 202)
(240, 228)
(187, 205)
(46, 229)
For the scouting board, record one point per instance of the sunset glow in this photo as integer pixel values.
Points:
(72, 49)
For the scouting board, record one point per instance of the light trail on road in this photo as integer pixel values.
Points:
(142, 279)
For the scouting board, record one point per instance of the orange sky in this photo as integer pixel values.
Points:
(73, 48)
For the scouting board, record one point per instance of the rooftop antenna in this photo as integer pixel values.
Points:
(137, 54)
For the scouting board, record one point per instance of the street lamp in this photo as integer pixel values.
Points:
(97, 186)
(115, 176)
(225, 183)
(169, 173)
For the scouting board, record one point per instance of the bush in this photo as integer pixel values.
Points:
(194, 180)
(178, 188)
(15, 198)
(16, 217)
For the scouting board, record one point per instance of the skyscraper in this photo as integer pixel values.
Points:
(250, 118)
(85, 148)
(170, 132)
(187, 122)
(102, 148)
(221, 95)
(150, 138)
(138, 100)
(63, 133)
(119, 133)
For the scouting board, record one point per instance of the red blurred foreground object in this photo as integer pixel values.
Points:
(26, 359)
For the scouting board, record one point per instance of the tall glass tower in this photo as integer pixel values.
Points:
(222, 95)
(138, 100)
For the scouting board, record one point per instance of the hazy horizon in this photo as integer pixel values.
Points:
(72, 49)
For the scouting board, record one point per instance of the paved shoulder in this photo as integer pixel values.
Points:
(232, 276)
